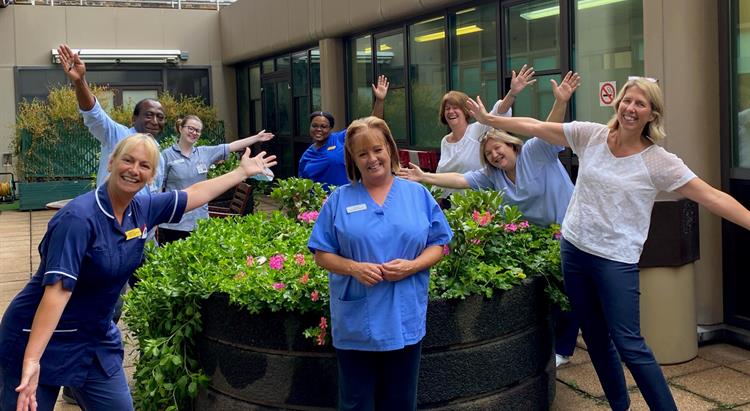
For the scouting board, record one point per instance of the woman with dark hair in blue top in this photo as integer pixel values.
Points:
(378, 237)
(323, 161)
(58, 330)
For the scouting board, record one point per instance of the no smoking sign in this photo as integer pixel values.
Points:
(607, 92)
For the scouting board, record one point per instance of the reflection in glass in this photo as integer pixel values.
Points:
(315, 78)
(243, 101)
(741, 140)
(474, 51)
(427, 81)
(536, 100)
(268, 66)
(256, 115)
(533, 35)
(282, 106)
(360, 77)
(299, 74)
(609, 47)
(391, 60)
(395, 113)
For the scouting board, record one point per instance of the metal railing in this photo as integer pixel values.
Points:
(162, 4)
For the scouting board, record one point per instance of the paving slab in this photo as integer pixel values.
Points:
(723, 354)
(584, 378)
(721, 384)
(743, 367)
(568, 399)
(685, 401)
(695, 365)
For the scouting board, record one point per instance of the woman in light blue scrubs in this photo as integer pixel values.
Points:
(378, 236)
(58, 330)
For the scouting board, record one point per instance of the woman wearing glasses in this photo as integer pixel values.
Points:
(185, 164)
(323, 161)
(621, 170)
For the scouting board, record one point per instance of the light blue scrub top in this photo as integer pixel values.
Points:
(181, 172)
(388, 315)
(109, 133)
(543, 188)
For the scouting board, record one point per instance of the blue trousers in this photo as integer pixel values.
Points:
(605, 297)
(99, 392)
(566, 331)
(379, 380)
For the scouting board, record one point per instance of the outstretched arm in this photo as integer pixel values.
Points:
(550, 132)
(563, 93)
(716, 201)
(243, 143)
(47, 316)
(205, 191)
(518, 83)
(449, 180)
(380, 91)
(75, 70)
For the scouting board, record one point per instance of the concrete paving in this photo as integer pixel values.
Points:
(718, 378)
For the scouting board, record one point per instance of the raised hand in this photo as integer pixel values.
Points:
(263, 136)
(413, 173)
(27, 389)
(367, 273)
(71, 63)
(381, 89)
(518, 82)
(256, 165)
(477, 110)
(564, 91)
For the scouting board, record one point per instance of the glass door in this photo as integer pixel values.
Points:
(277, 119)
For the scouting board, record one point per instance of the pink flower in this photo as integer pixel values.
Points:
(279, 286)
(308, 216)
(305, 278)
(481, 219)
(277, 262)
(299, 259)
(511, 228)
(557, 235)
(315, 295)
(475, 241)
(323, 326)
(523, 224)
(446, 249)
(250, 260)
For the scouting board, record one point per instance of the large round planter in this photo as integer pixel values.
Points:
(478, 354)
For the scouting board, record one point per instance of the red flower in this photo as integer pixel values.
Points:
(315, 295)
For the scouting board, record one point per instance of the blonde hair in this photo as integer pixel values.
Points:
(359, 127)
(127, 145)
(181, 121)
(654, 129)
(457, 98)
(501, 136)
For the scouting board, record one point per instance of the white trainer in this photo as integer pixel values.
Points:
(561, 360)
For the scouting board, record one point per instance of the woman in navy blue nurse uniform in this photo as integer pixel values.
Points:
(323, 161)
(58, 330)
(378, 237)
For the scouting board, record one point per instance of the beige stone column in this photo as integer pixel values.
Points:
(332, 79)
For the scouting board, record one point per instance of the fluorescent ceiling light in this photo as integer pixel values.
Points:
(555, 10)
(441, 34)
(104, 56)
(381, 47)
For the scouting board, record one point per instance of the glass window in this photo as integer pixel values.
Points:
(256, 115)
(533, 35)
(360, 77)
(536, 100)
(283, 105)
(268, 66)
(35, 84)
(189, 82)
(315, 78)
(741, 140)
(243, 101)
(474, 51)
(389, 52)
(123, 76)
(608, 47)
(427, 80)
(282, 63)
(301, 86)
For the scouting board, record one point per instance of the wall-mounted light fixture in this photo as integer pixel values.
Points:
(124, 56)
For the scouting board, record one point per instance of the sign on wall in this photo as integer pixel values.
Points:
(607, 92)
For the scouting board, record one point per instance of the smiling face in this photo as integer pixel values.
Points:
(453, 112)
(454, 115)
(133, 165)
(500, 155)
(190, 131)
(371, 156)
(320, 128)
(634, 110)
(150, 118)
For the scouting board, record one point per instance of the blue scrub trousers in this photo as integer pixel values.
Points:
(605, 298)
(379, 380)
(98, 393)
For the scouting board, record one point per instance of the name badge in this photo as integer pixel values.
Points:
(202, 169)
(331, 148)
(134, 233)
(355, 208)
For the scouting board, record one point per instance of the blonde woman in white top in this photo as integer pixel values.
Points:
(459, 149)
(621, 171)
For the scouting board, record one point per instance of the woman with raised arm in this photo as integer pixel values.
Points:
(621, 169)
(184, 164)
(323, 161)
(58, 330)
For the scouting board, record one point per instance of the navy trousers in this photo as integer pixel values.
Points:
(605, 297)
(379, 380)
